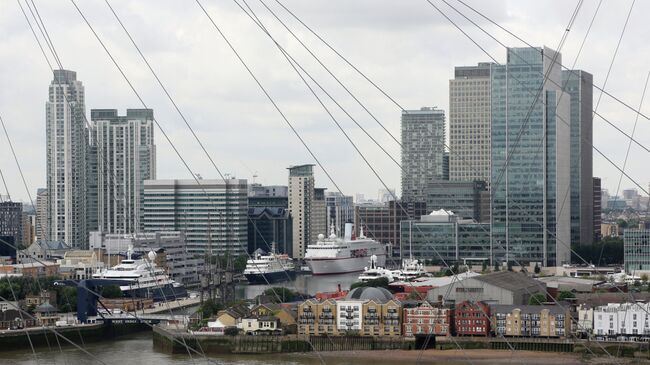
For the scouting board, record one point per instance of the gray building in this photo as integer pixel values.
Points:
(469, 123)
(579, 85)
(213, 214)
(461, 197)
(441, 235)
(267, 226)
(597, 204)
(340, 210)
(11, 221)
(268, 196)
(123, 156)
(423, 149)
(636, 250)
(307, 207)
(530, 148)
(67, 153)
(41, 213)
(503, 287)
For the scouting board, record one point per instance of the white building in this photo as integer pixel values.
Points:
(122, 156)
(622, 320)
(350, 315)
(585, 319)
(301, 205)
(213, 214)
(67, 147)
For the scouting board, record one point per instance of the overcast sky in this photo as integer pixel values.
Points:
(406, 47)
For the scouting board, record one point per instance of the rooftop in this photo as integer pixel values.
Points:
(509, 280)
(369, 293)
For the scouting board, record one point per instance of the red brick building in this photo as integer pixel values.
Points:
(472, 319)
(426, 319)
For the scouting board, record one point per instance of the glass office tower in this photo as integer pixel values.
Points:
(530, 147)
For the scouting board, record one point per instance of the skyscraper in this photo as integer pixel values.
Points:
(67, 147)
(123, 157)
(301, 199)
(340, 210)
(469, 123)
(423, 148)
(579, 85)
(597, 205)
(11, 221)
(530, 148)
(213, 213)
(42, 229)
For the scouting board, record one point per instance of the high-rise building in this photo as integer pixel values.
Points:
(579, 85)
(597, 214)
(212, 213)
(340, 210)
(530, 148)
(67, 149)
(29, 229)
(268, 196)
(469, 123)
(301, 199)
(463, 198)
(11, 221)
(423, 149)
(318, 215)
(123, 157)
(42, 229)
(269, 221)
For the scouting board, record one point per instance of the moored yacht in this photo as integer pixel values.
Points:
(143, 279)
(269, 268)
(375, 272)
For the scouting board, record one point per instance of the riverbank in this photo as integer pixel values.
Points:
(479, 356)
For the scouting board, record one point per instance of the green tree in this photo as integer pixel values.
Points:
(644, 278)
(537, 299)
(111, 291)
(67, 299)
(209, 308)
(240, 263)
(281, 295)
(564, 295)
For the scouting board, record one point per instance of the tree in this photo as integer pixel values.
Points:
(111, 291)
(209, 308)
(240, 263)
(484, 267)
(564, 295)
(537, 269)
(644, 278)
(281, 295)
(537, 299)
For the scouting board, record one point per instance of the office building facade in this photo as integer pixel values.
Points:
(461, 197)
(597, 205)
(579, 86)
(636, 250)
(42, 229)
(530, 150)
(212, 213)
(301, 207)
(269, 226)
(124, 154)
(67, 152)
(423, 149)
(469, 123)
(11, 221)
(340, 210)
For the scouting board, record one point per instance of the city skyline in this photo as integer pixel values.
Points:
(411, 86)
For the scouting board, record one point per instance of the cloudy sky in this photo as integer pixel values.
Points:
(406, 47)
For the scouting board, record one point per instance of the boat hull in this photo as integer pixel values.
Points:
(341, 265)
(270, 277)
(162, 293)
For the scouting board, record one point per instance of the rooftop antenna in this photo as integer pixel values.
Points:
(254, 176)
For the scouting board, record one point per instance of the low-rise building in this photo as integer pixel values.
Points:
(317, 317)
(46, 314)
(261, 325)
(530, 320)
(472, 319)
(42, 250)
(503, 287)
(427, 319)
(628, 320)
(44, 296)
(6, 305)
(585, 320)
(33, 270)
(79, 264)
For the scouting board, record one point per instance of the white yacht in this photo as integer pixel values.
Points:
(334, 255)
(375, 272)
(143, 279)
(411, 269)
(269, 268)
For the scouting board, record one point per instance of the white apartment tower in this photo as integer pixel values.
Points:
(469, 123)
(301, 201)
(67, 146)
(123, 156)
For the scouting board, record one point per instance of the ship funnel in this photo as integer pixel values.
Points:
(348, 231)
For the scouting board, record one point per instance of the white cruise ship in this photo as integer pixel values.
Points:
(267, 269)
(145, 279)
(335, 255)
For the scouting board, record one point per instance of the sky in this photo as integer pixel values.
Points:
(406, 47)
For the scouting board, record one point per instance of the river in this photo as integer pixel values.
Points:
(306, 284)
